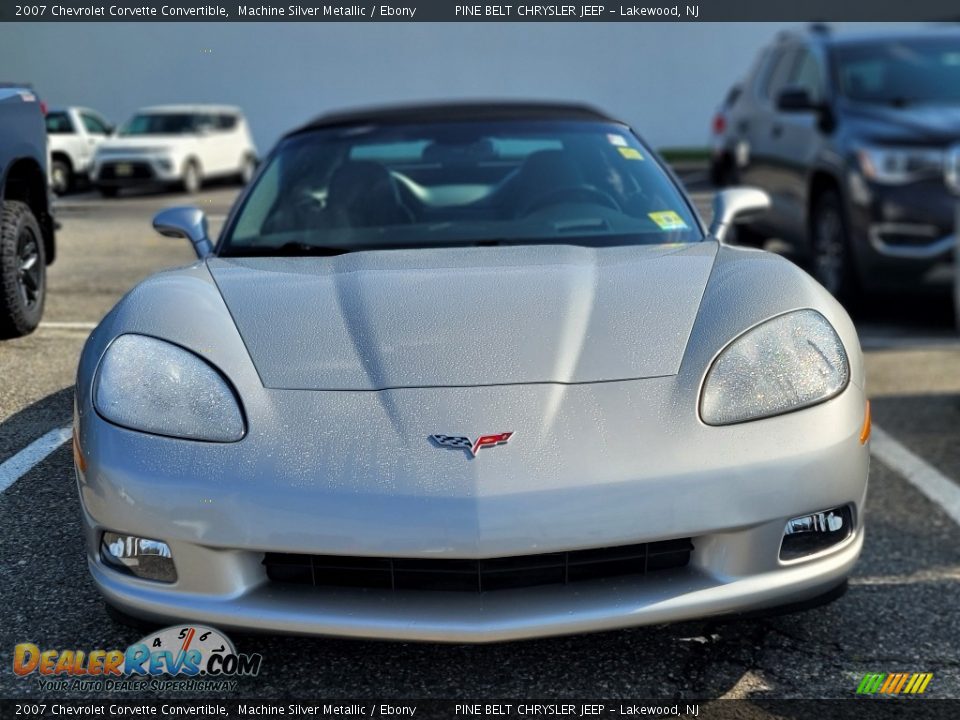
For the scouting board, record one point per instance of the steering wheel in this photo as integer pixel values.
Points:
(574, 194)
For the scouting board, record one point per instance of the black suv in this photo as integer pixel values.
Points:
(857, 140)
(26, 221)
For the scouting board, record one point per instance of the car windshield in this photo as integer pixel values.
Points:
(900, 72)
(160, 124)
(459, 183)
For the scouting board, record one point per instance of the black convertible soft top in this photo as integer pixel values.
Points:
(474, 110)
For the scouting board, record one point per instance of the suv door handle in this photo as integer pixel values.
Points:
(776, 131)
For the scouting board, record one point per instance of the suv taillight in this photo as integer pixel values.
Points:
(719, 123)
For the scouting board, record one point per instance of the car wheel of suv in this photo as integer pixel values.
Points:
(832, 264)
(61, 176)
(723, 171)
(192, 179)
(23, 270)
(247, 169)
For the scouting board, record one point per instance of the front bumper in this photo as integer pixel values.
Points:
(903, 236)
(221, 507)
(134, 170)
(696, 592)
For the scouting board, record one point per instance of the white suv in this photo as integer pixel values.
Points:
(73, 134)
(177, 145)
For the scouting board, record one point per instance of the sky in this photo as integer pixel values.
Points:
(665, 79)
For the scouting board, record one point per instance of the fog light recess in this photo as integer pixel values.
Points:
(810, 534)
(141, 557)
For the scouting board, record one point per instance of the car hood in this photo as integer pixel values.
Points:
(930, 123)
(466, 316)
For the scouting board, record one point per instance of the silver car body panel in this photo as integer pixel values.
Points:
(608, 447)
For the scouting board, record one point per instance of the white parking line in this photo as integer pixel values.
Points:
(24, 461)
(939, 573)
(68, 325)
(917, 471)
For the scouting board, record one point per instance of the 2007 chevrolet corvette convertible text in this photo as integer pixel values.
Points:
(469, 372)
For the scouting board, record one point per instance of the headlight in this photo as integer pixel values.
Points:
(787, 363)
(153, 386)
(899, 165)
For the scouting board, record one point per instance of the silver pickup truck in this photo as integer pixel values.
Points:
(26, 221)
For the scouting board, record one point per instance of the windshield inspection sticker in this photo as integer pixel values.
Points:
(668, 220)
(618, 140)
(630, 153)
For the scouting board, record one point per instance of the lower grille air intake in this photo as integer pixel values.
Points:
(561, 568)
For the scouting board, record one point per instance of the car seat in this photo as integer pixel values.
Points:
(364, 194)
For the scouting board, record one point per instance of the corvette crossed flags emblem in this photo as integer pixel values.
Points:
(472, 446)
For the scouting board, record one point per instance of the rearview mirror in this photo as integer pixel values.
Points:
(736, 204)
(185, 222)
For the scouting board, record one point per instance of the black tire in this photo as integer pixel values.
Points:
(23, 270)
(248, 166)
(745, 236)
(192, 179)
(108, 191)
(723, 172)
(61, 176)
(831, 260)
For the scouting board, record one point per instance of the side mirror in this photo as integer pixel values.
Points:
(736, 204)
(794, 99)
(185, 222)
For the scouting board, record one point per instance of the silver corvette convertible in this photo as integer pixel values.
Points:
(469, 373)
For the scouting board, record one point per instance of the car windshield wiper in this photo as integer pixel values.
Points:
(290, 249)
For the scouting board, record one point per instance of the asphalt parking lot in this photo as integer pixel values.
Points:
(901, 613)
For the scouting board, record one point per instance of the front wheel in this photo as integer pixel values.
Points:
(831, 259)
(247, 169)
(23, 270)
(61, 177)
(192, 179)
